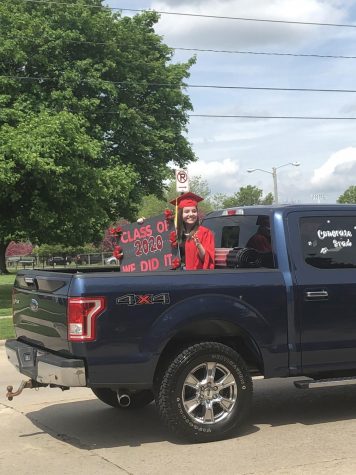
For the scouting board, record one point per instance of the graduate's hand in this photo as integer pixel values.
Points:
(200, 248)
(196, 239)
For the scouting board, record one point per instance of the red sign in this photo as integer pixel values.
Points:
(147, 246)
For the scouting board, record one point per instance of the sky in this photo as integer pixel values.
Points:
(227, 147)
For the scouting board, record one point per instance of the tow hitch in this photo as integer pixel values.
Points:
(24, 384)
(30, 384)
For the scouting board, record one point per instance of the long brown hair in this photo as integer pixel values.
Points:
(181, 230)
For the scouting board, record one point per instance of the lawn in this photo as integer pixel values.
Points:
(6, 282)
(6, 328)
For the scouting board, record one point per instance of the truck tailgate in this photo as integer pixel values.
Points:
(40, 308)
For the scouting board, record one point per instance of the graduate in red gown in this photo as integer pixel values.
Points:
(196, 242)
(261, 241)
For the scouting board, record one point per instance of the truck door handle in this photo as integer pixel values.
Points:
(317, 295)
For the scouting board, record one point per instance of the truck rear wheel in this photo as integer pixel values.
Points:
(205, 392)
(138, 399)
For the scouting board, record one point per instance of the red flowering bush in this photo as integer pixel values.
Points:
(175, 263)
(116, 235)
(118, 252)
(168, 215)
(116, 232)
(18, 249)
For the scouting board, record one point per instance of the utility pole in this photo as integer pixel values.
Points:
(274, 176)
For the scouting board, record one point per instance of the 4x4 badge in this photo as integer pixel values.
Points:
(143, 299)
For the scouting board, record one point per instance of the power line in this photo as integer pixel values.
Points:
(226, 51)
(212, 50)
(248, 116)
(239, 116)
(297, 117)
(199, 15)
(267, 53)
(184, 85)
(257, 88)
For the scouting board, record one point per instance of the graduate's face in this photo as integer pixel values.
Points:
(190, 215)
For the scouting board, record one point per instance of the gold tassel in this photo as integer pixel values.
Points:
(176, 217)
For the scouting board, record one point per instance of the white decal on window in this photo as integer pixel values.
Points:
(322, 234)
(347, 243)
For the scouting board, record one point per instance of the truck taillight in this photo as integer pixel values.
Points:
(82, 313)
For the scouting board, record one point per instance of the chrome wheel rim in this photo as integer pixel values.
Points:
(209, 393)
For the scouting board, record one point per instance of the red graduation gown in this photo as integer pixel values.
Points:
(192, 259)
(260, 243)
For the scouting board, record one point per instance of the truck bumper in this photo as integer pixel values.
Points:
(44, 367)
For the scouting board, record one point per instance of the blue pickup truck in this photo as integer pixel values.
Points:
(195, 340)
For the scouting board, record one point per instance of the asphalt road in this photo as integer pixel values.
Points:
(290, 432)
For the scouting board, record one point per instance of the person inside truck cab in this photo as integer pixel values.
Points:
(261, 240)
(196, 242)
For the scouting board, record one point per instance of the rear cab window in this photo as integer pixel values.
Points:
(242, 241)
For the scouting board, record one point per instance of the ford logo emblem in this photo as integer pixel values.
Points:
(34, 305)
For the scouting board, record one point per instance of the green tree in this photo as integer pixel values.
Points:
(267, 200)
(246, 196)
(84, 130)
(348, 196)
(217, 200)
(152, 205)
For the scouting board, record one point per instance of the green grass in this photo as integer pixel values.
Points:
(6, 328)
(6, 282)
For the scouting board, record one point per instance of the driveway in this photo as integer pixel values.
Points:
(290, 432)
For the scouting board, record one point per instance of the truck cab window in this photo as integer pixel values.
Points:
(232, 231)
(328, 242)
(230, 236)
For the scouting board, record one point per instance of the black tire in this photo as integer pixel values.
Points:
(138, 398)
(217, 408)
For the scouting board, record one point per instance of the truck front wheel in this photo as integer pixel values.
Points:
(136, 399)
(205, 393)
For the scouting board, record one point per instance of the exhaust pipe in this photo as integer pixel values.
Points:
(124, 399)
